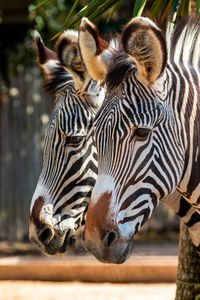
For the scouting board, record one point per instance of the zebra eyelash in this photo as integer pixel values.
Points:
(141, 133)
(73, 140)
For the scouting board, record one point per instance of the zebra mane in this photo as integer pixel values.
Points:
(113, 40)
(58, 78)
(184, 41)
(122, 65)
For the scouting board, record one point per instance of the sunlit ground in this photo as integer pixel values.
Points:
(34, 290)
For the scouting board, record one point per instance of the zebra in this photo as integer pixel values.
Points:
(69, 171)
(146, 132)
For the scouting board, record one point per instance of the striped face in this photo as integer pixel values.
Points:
(137, 167)
(140, 152)
(69, 170)
(68, 175)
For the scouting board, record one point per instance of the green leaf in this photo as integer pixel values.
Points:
(112, 11)
(87, 9)
(198, 5)
(97, 12)
(173, 10)
(57, 34)
(174, 7)
(139, 7)
(158, 8)
(184, 8)
(42, 3)
(71, 12)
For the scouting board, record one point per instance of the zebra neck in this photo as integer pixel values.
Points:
(189, 186)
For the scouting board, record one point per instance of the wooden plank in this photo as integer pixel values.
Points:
(151, 269)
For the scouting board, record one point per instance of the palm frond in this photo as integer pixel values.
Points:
(160, 10)
(139, 7)
(43, 3)
(198, 5)
(113, 10)
(92, 11)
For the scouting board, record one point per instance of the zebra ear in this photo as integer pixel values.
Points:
(145, 43)
(46, 58)
(56, 77)
(69, 56)
(95, 52)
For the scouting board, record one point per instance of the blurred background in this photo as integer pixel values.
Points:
(25, 108)
(24, 114)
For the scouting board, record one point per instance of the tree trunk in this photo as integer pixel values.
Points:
(188, 277)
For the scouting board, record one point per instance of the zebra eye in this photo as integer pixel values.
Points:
(142, 133)
(74, 140)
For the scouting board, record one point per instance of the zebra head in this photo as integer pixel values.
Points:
(140, 152)
(69, 170)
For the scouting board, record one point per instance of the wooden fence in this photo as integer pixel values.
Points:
(24, 115)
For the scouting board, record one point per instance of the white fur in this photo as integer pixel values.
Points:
(37, 35)
(49, 66)
(106, 56)
(104, 183)
(71, 34)
(41, 191)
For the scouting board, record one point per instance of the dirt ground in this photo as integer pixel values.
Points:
(34, 290)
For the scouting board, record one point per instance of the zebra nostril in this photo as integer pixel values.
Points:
(110, 238)
(72, 240)
(46, 235)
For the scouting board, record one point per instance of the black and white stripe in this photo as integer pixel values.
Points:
(147, 135)
(60, 200)
(70, 160)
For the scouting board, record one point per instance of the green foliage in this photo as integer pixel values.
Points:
(60, 15)
(48, 16)
(198, 5)
(52, 17)
(139, 7)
